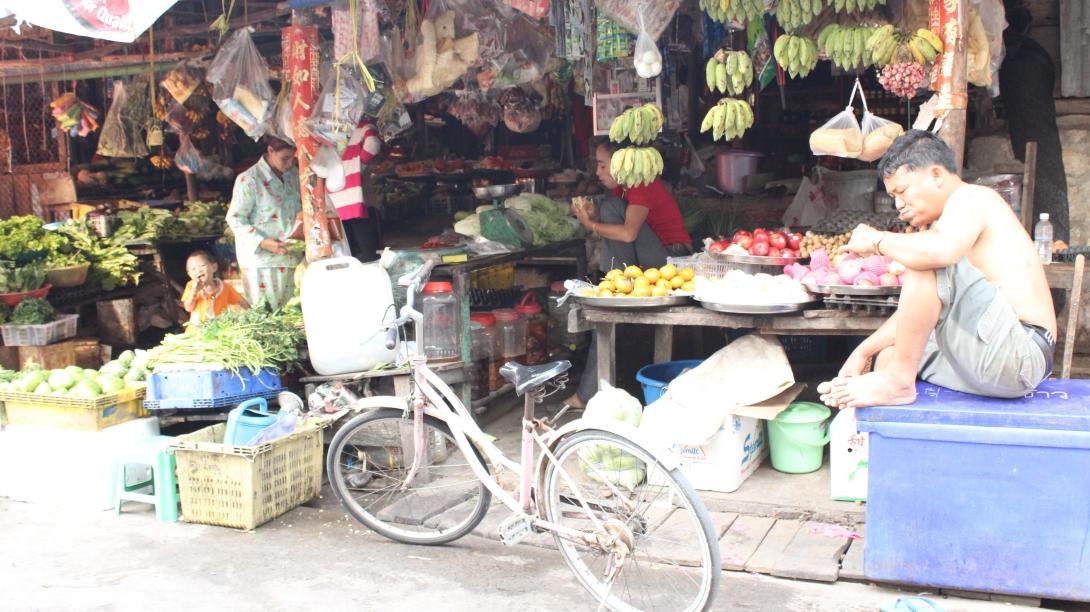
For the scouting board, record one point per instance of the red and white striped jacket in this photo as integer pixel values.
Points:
(363, 146)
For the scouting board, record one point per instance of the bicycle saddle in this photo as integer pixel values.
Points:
(528, 377)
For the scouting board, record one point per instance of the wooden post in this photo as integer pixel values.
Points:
(946, 21)
(300, 47)
(1029, 184)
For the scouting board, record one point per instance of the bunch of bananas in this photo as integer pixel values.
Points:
(729, 71)
(161, 162)
(846, 47)
(855, 6)
(729, 118)
(733, 10)
(796, 54)
(888, 45)
(635, 166)
(639, 125)
(793, 14)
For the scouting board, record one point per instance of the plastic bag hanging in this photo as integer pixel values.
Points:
(188, 158)
(338, 108)
(647, 59)
(120, 137)
(841, 135)
(878, 134)
(240, 84)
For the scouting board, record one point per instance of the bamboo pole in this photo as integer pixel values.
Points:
(61, 69)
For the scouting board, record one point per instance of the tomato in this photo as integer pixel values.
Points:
(759, 249)
(718, 246)
(744, 241)
(794, 241)
(738, 235)
(777, 241)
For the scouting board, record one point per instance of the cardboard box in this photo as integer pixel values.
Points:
(82, 352)
(848, 458)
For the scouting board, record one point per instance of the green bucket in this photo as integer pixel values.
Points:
(797, 438)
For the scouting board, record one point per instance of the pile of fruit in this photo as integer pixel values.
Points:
(639, 125)
(128, 370)
(729, 119)
(847, 269)
(796, 54)
(830, 242)
(761, 243)
(652, 282)
(902, 80)
(738, 287)
(730, 72)
(887, 45)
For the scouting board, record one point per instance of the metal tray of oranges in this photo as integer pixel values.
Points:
(625, 301)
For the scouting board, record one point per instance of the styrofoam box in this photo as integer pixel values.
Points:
(77, 469)
(724, 462)
(848, 458)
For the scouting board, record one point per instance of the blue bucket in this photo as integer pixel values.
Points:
(657, 376)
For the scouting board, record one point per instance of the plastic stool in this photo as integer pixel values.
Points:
(154, 453)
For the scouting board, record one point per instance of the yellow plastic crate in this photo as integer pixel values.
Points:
(71, 413)
(246, 486)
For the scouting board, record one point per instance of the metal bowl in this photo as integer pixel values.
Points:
(492, 192)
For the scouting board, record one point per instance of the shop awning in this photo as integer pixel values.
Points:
(117, 20)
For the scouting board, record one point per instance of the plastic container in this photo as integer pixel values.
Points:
(440, 333)
(13, 299)
(849, 465)
(511, 332)
(732, 168)
(982, 494)
(537, 329)
(1042, 239)
(40, 335)
(1008, 186)
(486, 352)
(71, 276)
(247, 420)
(344, 304)
(797, 438)
(189, 387)
(656, 377)
(71, 413)
(853, 190)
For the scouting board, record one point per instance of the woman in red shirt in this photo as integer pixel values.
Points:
(638, 225)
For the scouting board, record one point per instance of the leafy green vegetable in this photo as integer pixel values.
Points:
(21, 279)
(112, 265)
(33, 311)
(5, 313)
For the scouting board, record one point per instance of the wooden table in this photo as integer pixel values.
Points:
(808, 323)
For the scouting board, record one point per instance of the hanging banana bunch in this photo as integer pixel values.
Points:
(639, 125)
(635, 166)
(729, 118)
(796, 54)
(793, 14)
(846, 46)
(888, 45)
(725, 11)
(854, 6)
(729, 72)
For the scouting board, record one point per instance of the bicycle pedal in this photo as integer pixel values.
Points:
(515, 529)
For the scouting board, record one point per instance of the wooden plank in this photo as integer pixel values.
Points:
(674, 541)
(1072, 323)
(851, 567)
(846, 323)
(1029, 186)
(814, 553)
(742, 539)
(773, 546)
(606, 337)
(664, 343)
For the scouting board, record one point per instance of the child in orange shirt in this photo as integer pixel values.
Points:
(205, 296)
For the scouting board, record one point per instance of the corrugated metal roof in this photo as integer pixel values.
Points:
(1075, 48)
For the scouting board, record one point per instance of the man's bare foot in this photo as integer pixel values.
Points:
(833, 392)
(875, 389)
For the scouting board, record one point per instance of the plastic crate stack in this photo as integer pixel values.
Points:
(40, 335)
(182, 388)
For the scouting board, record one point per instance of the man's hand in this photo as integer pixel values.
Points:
(864, 239)
(274, 246)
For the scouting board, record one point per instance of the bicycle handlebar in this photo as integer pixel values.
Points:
(413, 282)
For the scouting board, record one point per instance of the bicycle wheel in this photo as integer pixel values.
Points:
(673, 563)
(369, 460)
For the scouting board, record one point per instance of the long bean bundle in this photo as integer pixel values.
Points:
(254, 339)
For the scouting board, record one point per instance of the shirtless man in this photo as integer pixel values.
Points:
(975, 313)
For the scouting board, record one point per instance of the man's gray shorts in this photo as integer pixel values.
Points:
(979, 345)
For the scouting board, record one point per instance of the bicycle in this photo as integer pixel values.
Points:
(418, 470)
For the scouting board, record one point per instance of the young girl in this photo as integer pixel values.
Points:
(205, 296)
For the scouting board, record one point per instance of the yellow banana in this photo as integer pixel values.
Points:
(931, 38)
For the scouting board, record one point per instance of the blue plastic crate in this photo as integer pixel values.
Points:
(182, 389)
(982, 494)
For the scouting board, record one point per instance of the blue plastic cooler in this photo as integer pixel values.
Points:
(982, 494)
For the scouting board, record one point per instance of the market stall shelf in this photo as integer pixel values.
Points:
(634, 303)
(767, 309)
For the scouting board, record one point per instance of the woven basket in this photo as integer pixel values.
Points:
(246, 486)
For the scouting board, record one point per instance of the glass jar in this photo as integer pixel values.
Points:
(511, 332)
(486, 373)
(537, 330)
(440, 333)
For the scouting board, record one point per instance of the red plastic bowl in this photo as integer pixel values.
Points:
(13, 299)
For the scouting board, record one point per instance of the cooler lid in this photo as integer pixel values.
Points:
(1056, 404)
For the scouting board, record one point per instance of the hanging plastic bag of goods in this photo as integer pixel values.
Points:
(656, 14)
(240, 84)
(117, 20)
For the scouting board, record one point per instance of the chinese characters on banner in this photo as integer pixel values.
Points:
(300, 48)
(945, 22)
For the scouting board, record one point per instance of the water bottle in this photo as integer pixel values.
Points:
(1042, 238)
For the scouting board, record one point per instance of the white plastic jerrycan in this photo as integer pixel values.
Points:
(344, 304)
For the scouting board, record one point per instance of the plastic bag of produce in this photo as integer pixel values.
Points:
(181, 82)
(841, 135)
(605, 462)
(656, 13)
(647, 59)
(878, 134)
(240, 83)
(339, 107)
(188, 158)
(121, 137)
